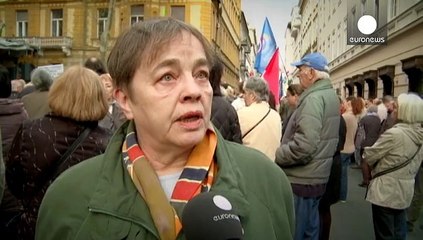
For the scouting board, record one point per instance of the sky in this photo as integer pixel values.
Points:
(277, 11)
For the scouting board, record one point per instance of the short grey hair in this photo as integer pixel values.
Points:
(321, 74)
(259, 86)
(372, 109)
(410, 107)
(41, 79)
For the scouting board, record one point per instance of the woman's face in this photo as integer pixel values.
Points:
(292, 99)
(108, 86)
(249, 97)
(171, 98)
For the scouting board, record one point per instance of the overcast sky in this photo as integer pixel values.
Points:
(277, 11)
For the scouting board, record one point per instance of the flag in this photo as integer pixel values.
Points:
(266, 49)
(271, 74)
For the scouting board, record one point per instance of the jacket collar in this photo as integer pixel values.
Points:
(116, 195)
(317, 86)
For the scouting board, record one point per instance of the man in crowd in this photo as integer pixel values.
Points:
(309, 142)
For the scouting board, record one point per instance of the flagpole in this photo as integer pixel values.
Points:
(283, 65)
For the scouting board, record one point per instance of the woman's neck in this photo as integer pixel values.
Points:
(167, 161)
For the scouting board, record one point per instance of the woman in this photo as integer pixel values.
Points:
(166, 154)
(114, 117)
(260, 124)
(292, 96)
(223, 115)
(371, 126)
(77, 102)
(331, 195)
(391, 192)
(36, 103)
(361, 111)
(351, 121)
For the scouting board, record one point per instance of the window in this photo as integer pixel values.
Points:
(178, 12)
(56, 22)
(334, 48)
(137, 13)
(102, 20)
(21, 23)
(353, 21)
(363, 7)
(392, 9)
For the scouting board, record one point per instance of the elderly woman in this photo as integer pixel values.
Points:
(36, 103)
(77, 101)
(395, 159)
(114, 117)
(167, 153)
(261, 126)
(370, 125)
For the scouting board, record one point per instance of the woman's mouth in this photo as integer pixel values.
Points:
(191, 120)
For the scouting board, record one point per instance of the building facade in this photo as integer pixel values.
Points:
(69, 31)
(369, 71)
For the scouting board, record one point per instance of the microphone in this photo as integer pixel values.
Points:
(209, 216)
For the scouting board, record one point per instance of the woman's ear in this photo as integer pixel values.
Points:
(123, 99)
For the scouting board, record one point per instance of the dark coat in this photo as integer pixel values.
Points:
(225, 119)
(12, 114)
(388, 123)
(371, 124)
(36, 148)
(333, 186)
(113, 120)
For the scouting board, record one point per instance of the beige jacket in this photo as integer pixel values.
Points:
(396, 145)
(266, 136)
(352, 124)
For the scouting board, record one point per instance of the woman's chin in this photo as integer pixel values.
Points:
(190, 138)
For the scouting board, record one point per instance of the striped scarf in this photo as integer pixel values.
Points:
(197, 176)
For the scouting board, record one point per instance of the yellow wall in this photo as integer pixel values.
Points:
(80, 24)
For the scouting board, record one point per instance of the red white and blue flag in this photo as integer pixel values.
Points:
(271, 74)
(267, 48)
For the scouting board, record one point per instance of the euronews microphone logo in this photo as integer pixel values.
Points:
(366, 29)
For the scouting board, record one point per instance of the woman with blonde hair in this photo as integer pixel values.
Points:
(45, 147)
(395, 159)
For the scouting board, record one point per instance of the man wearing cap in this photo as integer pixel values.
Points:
(309, 142)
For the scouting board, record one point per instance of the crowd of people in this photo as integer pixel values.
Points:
(117, 150)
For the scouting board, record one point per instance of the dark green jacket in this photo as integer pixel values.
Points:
(98, 200)
(311, 137)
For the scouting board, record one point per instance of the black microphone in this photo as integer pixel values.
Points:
(209, 216)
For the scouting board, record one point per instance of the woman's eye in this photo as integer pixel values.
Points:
(167, 77)
(203, 74)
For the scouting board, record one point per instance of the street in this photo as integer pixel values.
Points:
(353, 219)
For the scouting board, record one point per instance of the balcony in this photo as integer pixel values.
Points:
(294, 32)
(296, 22)
(41, 43)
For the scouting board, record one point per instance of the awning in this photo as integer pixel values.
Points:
(14, 46)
